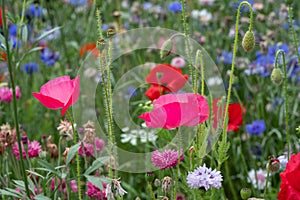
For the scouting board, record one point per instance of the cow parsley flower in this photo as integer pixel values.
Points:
(204, 177)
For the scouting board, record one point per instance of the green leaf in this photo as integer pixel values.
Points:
(47, 167)
(8, 193)
(72, 153)
(41, 197)
(96, 164)
(45, 34)
(24, 33)
(97, 181)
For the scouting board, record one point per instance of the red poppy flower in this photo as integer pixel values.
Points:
(1, 15)
(89, 47)
(235, 115)
(169, 78)
(61, 92)
(3, 56)
(290, 185)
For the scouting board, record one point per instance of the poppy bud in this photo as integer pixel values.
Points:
(276, 76)
(245, 193)
(166, 48)
(274, 165)
(248, 41)
(149, 176)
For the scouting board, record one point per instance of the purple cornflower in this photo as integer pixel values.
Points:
(256, 128)
(167, 159)
(175, 7)
(48, 57)
(204, 177)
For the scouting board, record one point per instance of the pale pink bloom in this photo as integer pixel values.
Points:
(178, 62)
(58, 93)
(74, 186)
(18, 93)
(167, 159)
(174, 110)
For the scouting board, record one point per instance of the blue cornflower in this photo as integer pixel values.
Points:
(48, 57)
(78, 2)
(104, 27)
(12, 30)
(131, 92)
(273, 49)
(244, 8)
(147, 5)
(31, 67)
(34, 11)
(225, 58)
(175, 7)
(256, 128)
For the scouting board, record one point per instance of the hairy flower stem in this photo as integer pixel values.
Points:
(178, 163)
(225, 123)
(187, 43)
(280, 51)
(77, 156)
(295, 39)
(14, 100)
(106, 84)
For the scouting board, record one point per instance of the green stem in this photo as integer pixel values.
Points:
(224, 136)
(295, 40)
(227, 172)
(280, 51)
(267, 181)
(151, 191)
(77, 156)
(178, 163)
(14, 100)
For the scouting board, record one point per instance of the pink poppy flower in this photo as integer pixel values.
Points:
(174, 110)
(58, 93)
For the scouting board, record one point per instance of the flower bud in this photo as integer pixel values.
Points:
(149, 176)
(248, 41)
(166, 184)
(245, 193)
(276, 76)
(157, 182)
(101, 44)
(166, 48)
(274, 165)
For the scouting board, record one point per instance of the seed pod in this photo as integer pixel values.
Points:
(248, 41)
(276, 76)
(245, 193)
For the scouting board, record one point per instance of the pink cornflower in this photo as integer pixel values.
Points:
(34, 148)
(89, 149)
(178, 62)
(167, 159)
(93, 191)
(5, 94)
(15, 150)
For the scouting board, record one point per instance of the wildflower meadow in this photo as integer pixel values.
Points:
(149, 99)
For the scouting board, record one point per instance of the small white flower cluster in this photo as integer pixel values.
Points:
(143, 134)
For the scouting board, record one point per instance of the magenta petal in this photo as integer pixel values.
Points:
(174, 110)
(47, 101)
(73, 96)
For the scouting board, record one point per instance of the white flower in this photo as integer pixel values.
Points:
(283, 160)
(144, 134)
(258, 181)
(214, 81)
(119, 191)
(206, 2)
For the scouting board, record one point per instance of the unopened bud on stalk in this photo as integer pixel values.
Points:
(166, 48)
(101, 44)
(276, 76)
(167, 183)
(248, 41)
(274, 165)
